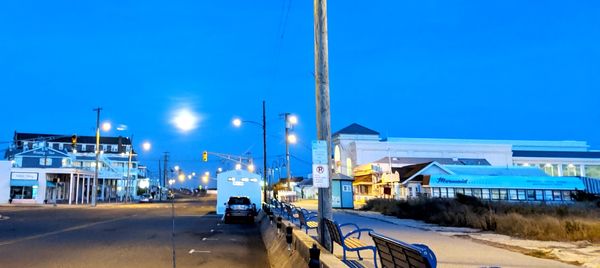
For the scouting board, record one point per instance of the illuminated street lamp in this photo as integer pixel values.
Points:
(290, 121)
(251, 167)
(292, 139)
(238, 166)
(176, 168)
(238, 122)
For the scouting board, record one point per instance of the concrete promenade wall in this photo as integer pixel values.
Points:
(298, 256)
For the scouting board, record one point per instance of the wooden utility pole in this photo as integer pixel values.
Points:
(95, 183)
(323, 111)
(264, 129)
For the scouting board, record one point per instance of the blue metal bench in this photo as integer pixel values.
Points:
(307, 220)
(397, 254)
(348, 242)
(290, 211)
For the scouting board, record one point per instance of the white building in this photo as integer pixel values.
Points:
(362, 153)
(61, 168)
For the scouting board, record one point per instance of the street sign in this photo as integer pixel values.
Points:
(320, 162)
(319, 152)
(320, 176)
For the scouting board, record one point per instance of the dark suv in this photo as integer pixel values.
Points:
(239, 207)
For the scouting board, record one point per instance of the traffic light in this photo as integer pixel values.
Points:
(205, 156)
(74, 142)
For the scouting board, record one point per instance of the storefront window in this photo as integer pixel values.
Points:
(551, 169)
(539, 195)
(521, 194)
(21, 192)
(485, 194)
(570, 170)
(443, 193)
(435, 192)
(467, 191)
(592, 171)
(476, 193)
(512, 194)
(503, 194)
(451, 192)
(459, 191)
(495, 194)
(548, 195)
(556, 195)
(530, 195)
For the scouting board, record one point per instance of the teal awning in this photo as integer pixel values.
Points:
(28, 183)
(50, 184)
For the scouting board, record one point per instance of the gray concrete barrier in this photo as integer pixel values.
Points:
(299, 255)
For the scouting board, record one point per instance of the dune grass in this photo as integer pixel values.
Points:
(573, 222)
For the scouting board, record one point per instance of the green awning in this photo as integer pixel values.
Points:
(27, 183)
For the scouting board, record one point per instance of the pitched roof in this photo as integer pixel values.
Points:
(440, 160)
(406, 172)
(67, 138)
(356, 129)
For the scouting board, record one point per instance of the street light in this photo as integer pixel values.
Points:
(290, 121)
(238, 122)
(292, 139)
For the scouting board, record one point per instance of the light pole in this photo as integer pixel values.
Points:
(95, 183)
(290, 121)
(238, 122)
(127, 183)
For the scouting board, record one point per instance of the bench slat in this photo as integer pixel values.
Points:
(353, 264)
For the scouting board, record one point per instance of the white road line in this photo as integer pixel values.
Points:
(199, 251)
(209, 239)
(61, 231)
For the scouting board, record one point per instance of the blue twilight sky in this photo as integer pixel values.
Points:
(441, 69)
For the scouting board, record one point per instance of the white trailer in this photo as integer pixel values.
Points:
(238, 183)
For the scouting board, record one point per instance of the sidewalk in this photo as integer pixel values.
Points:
(451, 251)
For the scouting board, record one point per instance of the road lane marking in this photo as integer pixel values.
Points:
(61, 231)
(209, 239)
(199, 251)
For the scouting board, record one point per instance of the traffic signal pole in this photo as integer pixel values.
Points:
(323, 111)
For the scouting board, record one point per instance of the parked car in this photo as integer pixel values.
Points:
(239, 207)
(145, 198)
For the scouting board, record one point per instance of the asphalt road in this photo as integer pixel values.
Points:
(135, 235)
